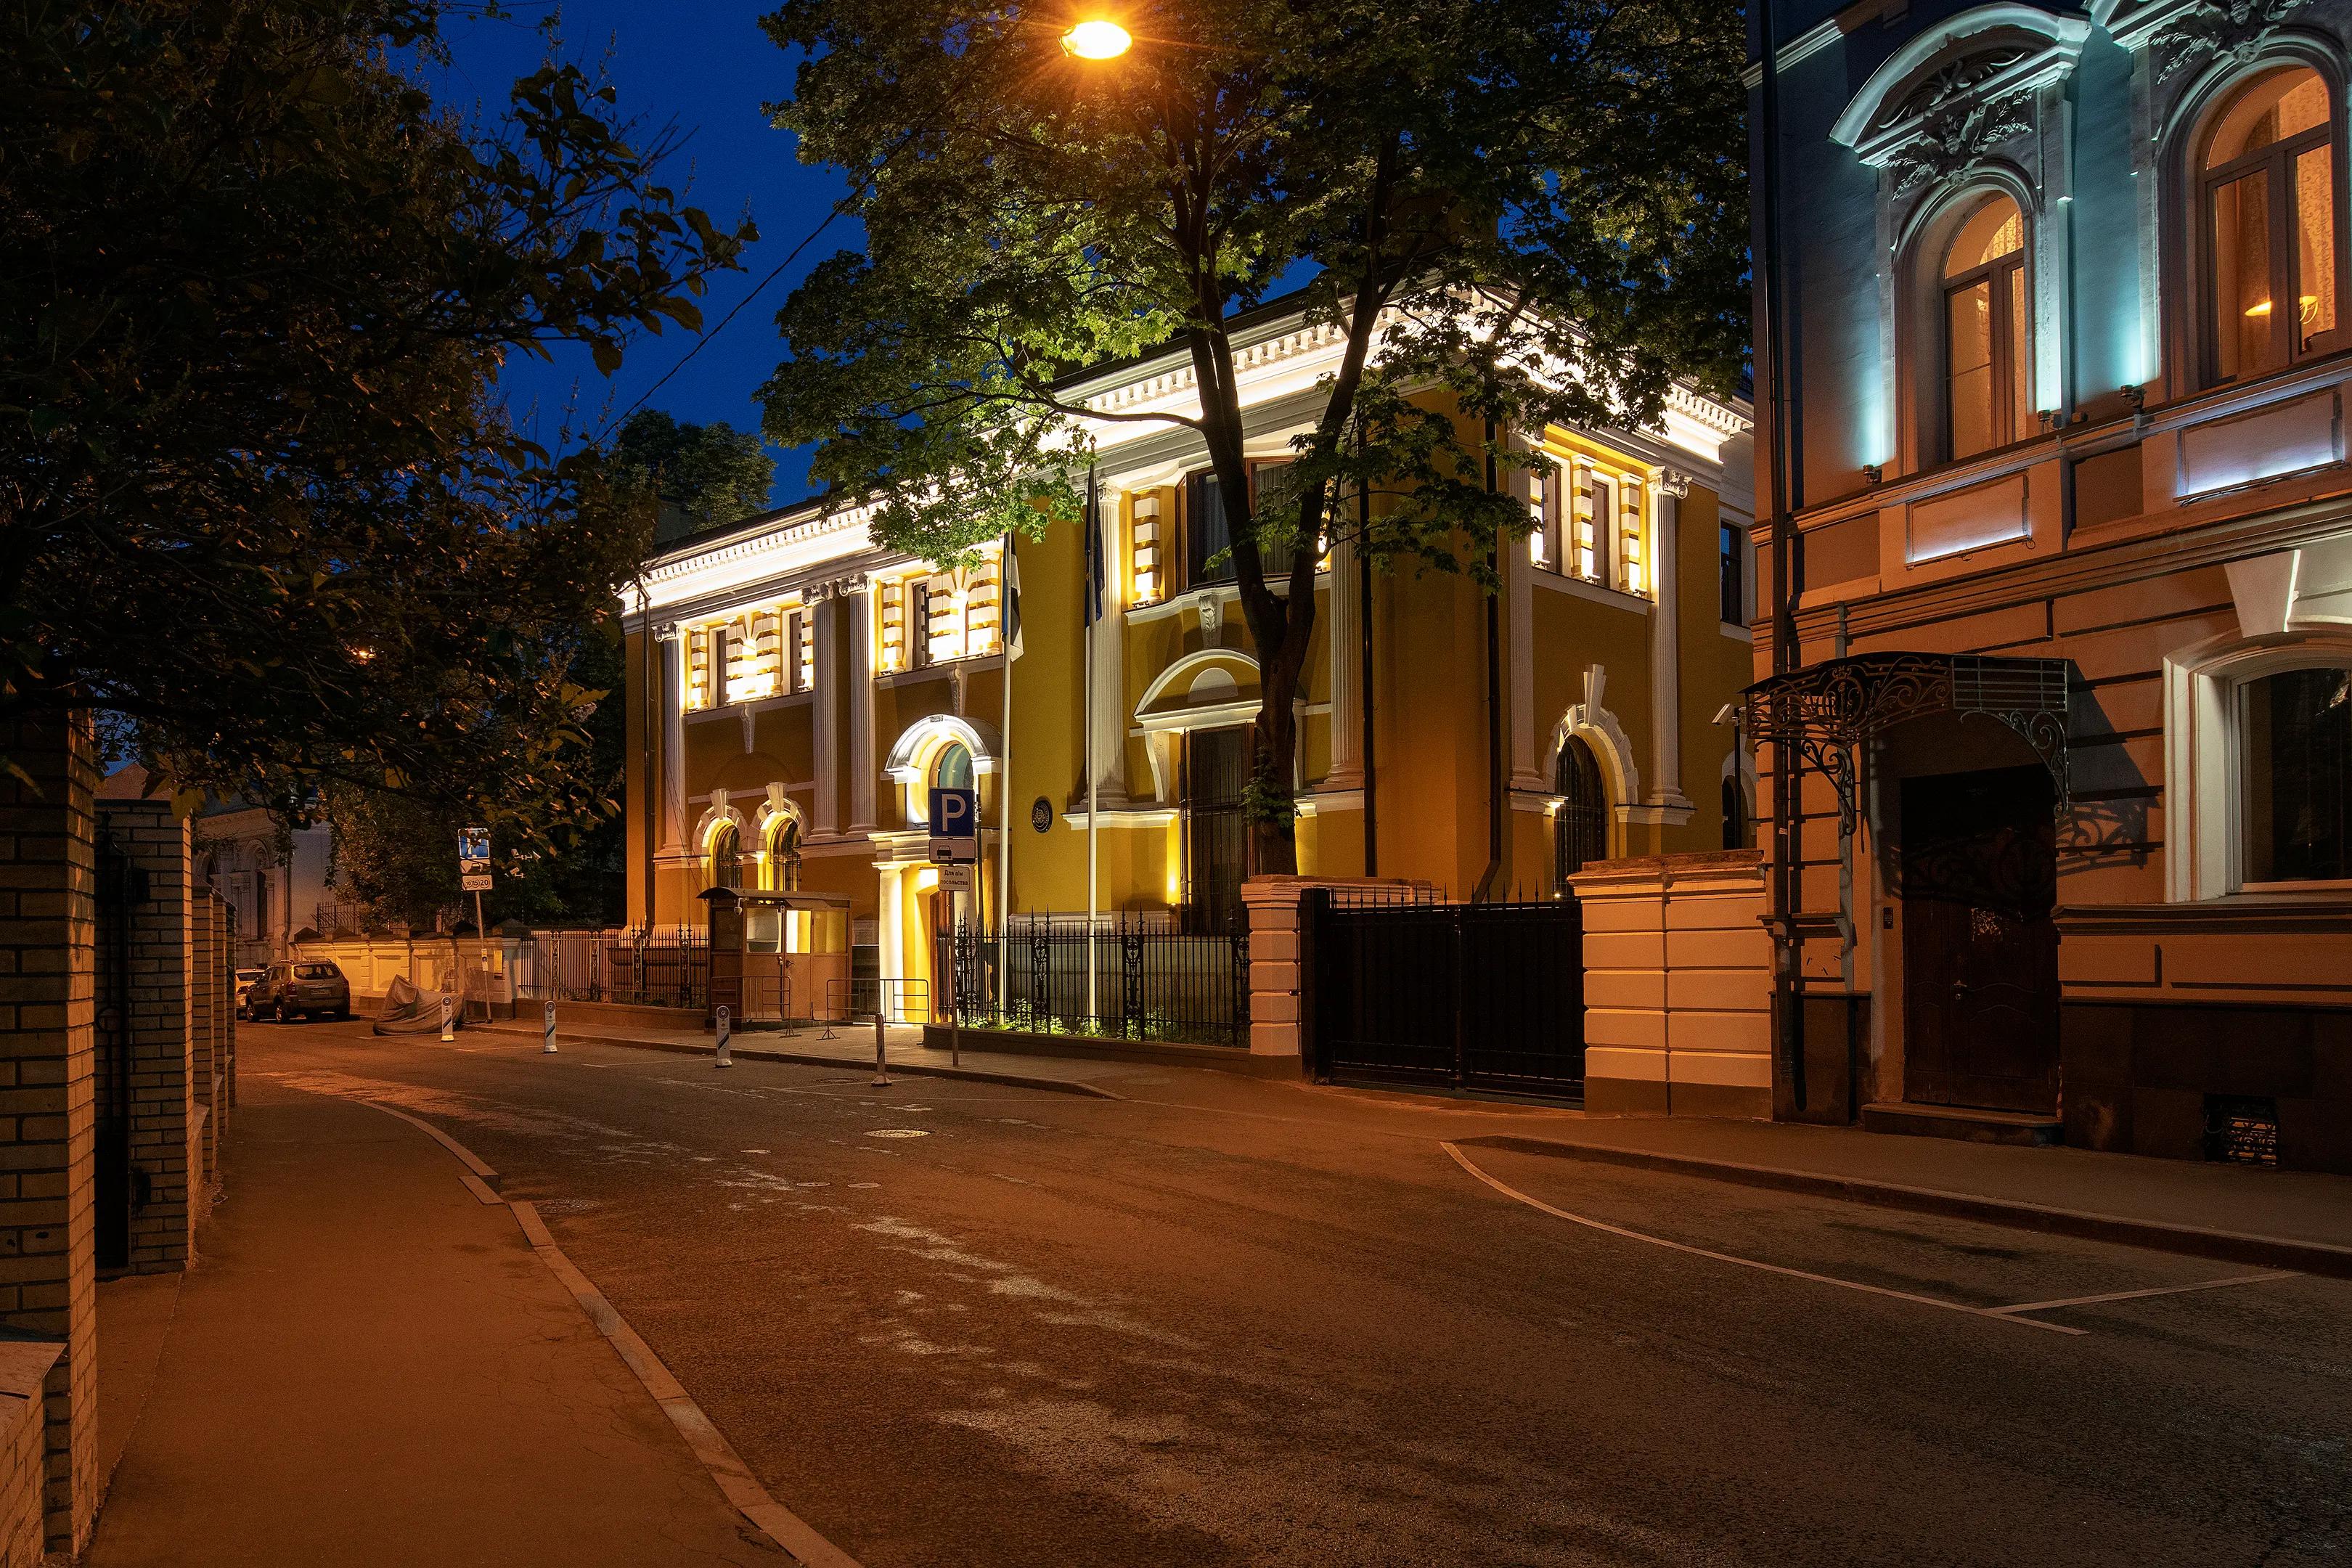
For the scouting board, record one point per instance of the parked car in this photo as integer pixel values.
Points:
(247, 979)
(303, 988)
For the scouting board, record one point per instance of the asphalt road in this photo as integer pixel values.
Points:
(1242, 1322)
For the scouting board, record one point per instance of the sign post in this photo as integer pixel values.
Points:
(548, 1027)
(726, 1060)
(448, 1018)
(955, 850)
(473, 870)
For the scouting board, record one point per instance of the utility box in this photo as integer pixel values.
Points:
(775, 956)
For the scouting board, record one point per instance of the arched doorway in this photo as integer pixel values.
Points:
(1580, 822)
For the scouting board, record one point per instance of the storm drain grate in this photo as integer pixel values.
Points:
(2242, 1130)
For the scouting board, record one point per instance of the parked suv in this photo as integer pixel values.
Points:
(306, 988)
(247, 979)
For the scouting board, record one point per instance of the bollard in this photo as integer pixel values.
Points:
(725, 1058)
(881, 1062)
(548, 1029)
(448, 1018)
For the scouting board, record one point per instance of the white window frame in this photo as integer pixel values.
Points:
(2204, 765)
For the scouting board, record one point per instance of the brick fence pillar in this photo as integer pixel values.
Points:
(48, 997)
(156, 997)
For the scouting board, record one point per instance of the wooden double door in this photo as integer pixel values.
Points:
(1978, 868)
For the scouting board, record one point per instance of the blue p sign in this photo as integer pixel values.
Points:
(955, 825)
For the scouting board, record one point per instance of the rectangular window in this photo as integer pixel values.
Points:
(1209, 532)
(2314, 266)
(2246, 341)
(1543, 541)
(1968, 328)
(1732, 591)
(2295, 735)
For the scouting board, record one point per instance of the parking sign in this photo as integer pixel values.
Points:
(955, 825)
(474, 859)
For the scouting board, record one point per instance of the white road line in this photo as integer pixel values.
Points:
(2137, 1294)
(1510, 1192)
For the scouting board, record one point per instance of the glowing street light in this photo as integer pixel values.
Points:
(1097, 40)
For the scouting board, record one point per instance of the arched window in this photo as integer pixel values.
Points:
(726, 856)
(1735, 814)
(2295, 776)
(2267, 209)
(952, 769)
(784, 856)
(1988, 368)
(1581, 826)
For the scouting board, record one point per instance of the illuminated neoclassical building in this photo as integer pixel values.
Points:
(796, 690)
(2056, 296)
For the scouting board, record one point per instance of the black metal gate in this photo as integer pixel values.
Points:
(1487, 996)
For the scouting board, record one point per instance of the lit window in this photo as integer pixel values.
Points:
(1551, 481)
(780, 870)
(1988, 373)
(2269, 218)
(953, 768)
(726, 866)
(2295, 743)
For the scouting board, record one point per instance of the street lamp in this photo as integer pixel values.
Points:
(1097, 39)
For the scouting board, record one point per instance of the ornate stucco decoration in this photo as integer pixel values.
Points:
(2207, 34)
(1951, 145)
(1958, 91)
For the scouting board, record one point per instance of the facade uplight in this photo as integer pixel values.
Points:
(1097, 40)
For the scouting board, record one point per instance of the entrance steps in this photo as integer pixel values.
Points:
(1961, 1121)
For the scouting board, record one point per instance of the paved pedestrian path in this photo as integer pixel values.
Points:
(371, 1367)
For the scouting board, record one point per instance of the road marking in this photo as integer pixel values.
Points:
(2138, 1295)
(2002, 1315)
(799, 1540)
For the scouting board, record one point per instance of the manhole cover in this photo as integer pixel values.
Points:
(898, 1133)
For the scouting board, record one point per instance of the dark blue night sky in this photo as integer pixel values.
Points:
(704, 66)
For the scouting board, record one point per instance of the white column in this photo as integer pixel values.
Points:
(824, 712)
(673, 740)
(891, 928)
(1346, 678)
(861, 706)
(1663, 550)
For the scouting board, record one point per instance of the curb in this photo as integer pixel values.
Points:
(810, 1058)
(792, 1534)
(2160, 1235)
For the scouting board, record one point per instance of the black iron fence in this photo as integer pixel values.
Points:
(1120, 981)
(659, 968)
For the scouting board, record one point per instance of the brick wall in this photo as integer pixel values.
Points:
(25, 1366)
(47, 935)
(147, 1018)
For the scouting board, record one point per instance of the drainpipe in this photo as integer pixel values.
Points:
(1364, 680)
(1493, 875)
(1787, 1025)
(649, 719)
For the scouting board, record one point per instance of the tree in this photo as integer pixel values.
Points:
(698, 474)
(1516, 212)
(265, 511)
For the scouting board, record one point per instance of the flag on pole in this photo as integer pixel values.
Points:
(1094, 605)
(1012, 600)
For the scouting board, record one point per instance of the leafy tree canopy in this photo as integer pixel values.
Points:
(264, 512)
(1533, 208)
(698, 474)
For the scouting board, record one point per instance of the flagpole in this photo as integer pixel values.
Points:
(1008, 584)
(1094, 614)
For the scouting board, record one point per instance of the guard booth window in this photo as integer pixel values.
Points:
(1581, 826)
(1216, 831)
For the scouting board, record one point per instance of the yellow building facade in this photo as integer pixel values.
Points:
(796, 690)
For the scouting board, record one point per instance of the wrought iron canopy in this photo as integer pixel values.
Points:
(1836, 705)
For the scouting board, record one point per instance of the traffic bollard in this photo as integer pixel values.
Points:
(448, 1018)
(548, 1029)
(881, 1061)
(725, 1058)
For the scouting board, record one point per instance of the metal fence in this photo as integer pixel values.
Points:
(1146, 985)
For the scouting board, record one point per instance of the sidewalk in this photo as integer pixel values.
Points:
(370, 1366)
(2292, 1219)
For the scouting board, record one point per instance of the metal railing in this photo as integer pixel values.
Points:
(857, 1000)
(1147, 984)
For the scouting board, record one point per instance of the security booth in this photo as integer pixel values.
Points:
(775, 956)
